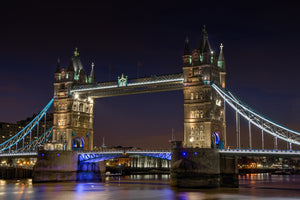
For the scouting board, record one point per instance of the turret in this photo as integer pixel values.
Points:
(70, 71)
(92, 74)
(204, 48)
(82, 76)
(221, 59)
(221, 65)
(76, 62)
(186, 55)
(57, 71)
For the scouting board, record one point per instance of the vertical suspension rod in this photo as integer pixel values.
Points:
(37, 129)
(225, 138)
(238, 141)
(262, 139)
(250, 138)
(276, 144)
(45, 120)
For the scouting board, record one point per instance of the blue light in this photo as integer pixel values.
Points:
(57, 154)
(184, 153)
(43, 154)
(195, 153)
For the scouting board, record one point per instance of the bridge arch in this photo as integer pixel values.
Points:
(77, 144)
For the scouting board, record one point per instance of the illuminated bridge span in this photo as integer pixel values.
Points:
(18, 139)
(158, 83)
(131, 86)
(203, 81)
(105, 155)
(253, 117)
(97, 156)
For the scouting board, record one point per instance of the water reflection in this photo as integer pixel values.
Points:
(258, 186)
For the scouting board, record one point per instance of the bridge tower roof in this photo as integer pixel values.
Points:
(57, 66)
(75, 61)
(204, 45)
(186, 48)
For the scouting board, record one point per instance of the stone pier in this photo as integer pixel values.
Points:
(56, 166)
(202, 168)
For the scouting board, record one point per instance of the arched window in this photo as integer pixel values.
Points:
(192, 114)
(201, 114)
(74, 107)
(81, 107)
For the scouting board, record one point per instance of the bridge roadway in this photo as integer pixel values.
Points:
(96, 156)
(132, 86)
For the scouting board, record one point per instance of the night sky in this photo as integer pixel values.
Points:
(261, 46)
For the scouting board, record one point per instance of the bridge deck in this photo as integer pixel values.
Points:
(133, 86)
(164, 154)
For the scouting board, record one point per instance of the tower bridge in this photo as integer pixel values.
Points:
(203, 83)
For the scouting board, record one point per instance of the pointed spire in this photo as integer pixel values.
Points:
(204, 30)
(70, 67)
(204, 45)
(92, 74)
(186, 49)
(58, 66)
(221, 59)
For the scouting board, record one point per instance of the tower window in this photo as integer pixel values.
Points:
(62, 86)
(197, 114)
(81, 107)
(201, 114)
(192, 114)
(192, 96)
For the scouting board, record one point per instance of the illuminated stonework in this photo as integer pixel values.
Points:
(204, 115)
(73, 114)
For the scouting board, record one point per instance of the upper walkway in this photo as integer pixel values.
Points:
(132, 86)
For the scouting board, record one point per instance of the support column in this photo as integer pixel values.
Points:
(238, 139)
(250, 139)
(276, 145)
(262, 139)
(195, 168)
(55, 166)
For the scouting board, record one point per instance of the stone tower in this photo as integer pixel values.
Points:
(73, 114)
(204, 114)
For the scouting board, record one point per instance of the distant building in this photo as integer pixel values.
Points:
(8, 130)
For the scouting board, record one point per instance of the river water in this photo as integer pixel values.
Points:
(255, 186)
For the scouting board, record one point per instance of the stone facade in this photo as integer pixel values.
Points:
(73, 114)
(204, 115)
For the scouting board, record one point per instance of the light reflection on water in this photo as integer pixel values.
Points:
(254, 186)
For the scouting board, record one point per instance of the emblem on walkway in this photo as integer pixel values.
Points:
(122, 81)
